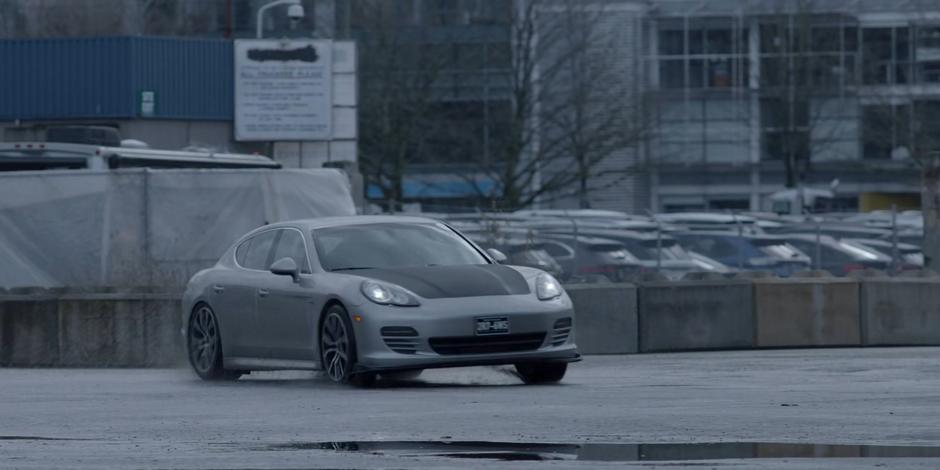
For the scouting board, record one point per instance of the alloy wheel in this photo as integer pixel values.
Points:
(203, 340)
(334, 342)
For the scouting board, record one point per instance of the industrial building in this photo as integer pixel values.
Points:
(746, 97)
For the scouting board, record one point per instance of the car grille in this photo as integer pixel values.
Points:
(561, 331)
(401, 339)
(487, 344)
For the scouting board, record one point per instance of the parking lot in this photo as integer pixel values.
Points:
(129, 418)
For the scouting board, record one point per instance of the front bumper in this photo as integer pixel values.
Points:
(456, 319)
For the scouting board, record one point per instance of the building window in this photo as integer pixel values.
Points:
(702, 53)
(886, 54)
(671, 42)
(672, 73)
(885, 131)
(786, 129)
(928, 54)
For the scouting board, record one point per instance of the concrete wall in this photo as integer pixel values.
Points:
(899, 311)
(72, 328)
(605, 318)
(807, 312)
(689, 315)
(89, 330)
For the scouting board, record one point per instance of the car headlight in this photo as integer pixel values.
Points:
(547, 287)
(388, 294)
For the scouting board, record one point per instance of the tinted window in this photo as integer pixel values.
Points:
(556, 250)
(712, 247)
(393, 245)
(777, 249)
(828, 254)
(259, 251)
(291, 245)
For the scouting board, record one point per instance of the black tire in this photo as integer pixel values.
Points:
(542, 372)
(338, 353)
(204, 346)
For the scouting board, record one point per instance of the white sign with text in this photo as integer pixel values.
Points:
(283, 90)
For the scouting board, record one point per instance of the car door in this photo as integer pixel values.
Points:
(285, 307)
(240, 291)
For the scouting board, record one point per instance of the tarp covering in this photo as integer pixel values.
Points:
(142, 227)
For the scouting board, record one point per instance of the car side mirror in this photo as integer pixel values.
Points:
(497, 255)
(286, 267)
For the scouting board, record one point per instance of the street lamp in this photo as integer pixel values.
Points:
(295, 12)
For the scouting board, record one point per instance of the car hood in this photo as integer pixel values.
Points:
(438, 282)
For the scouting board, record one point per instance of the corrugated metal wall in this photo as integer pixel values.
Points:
(103, 77)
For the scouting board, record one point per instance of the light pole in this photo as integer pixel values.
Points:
(295, 12)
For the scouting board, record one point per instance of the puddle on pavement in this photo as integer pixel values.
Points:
(514, 451)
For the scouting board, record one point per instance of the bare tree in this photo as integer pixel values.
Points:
(804, 71)
(571, 107)
(398, 73)
(901, 117)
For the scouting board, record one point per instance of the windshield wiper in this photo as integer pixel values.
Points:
(351, 268)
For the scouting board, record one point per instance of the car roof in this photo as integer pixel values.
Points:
(324, 222)
(810, 237)
(580, 239)
(616, 234)
(726, 234)
(704, 218)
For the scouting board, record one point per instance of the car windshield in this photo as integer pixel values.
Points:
(777, 249)
(615, 251)
(669, 249)
(392, 245)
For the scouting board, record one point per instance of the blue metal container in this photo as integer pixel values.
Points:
(88, 78)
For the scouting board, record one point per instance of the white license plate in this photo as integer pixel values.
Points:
(492, 325)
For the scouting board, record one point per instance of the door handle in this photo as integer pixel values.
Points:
(263, 292)
(218, 289)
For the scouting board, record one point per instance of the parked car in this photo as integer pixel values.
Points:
(835, 230)
(367, 295)
(911, 256)
(586, 258)
(650, 251)
(747, 252)
(695, 221)
(706, 264)
(839, 257)
(909, 236)
(521, 252)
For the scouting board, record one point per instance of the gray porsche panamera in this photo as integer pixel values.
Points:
(363, 296)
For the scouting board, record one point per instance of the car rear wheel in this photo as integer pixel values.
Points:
(542, 372)
(338, 349)
(204, 345)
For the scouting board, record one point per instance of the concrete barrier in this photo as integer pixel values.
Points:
(52, 328)
(800, 312)
(77, 328)
(691, 315)
(900, 311)
(605, 317)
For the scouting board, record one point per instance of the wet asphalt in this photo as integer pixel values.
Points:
(823, 408)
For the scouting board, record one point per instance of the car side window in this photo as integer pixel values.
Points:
(291, 245)
(260, 250)
(241, 253)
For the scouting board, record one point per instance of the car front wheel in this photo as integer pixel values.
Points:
(542, 372)
(338, 349)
